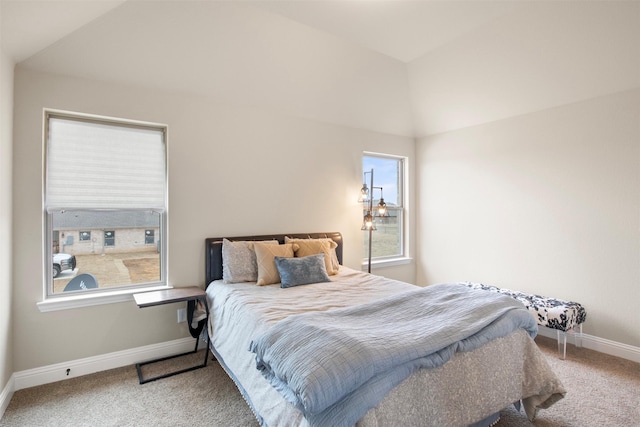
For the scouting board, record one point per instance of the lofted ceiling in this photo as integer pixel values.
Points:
(343, 62)
(403, 30)
(404, 67)
(30, 26)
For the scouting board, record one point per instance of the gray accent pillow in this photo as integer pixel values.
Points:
(301, 271)
(239, 261)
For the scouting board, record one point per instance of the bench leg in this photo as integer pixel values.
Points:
(578, 336)
(562, 345)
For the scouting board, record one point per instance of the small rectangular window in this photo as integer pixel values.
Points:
(110, 238)
(387, 240)
(149, 237)
(85, 236)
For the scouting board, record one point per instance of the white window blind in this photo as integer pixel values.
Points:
(98, 165)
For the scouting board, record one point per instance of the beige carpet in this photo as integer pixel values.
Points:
(602, 391)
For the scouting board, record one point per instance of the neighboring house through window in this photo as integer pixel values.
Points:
(104, 178)
(389, 178)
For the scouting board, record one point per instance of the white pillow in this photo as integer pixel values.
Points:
(239, 261)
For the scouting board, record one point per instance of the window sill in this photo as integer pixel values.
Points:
(86, 300)
(390, 262)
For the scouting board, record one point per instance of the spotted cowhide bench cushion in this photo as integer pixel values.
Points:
(552, 313)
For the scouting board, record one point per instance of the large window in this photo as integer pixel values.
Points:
(387, 240)
(105, 192)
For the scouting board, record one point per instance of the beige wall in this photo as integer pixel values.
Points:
(232, 171)
(544, 203)
(529, 176)
(6, 249)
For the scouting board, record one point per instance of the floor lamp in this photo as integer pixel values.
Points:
(367, 222)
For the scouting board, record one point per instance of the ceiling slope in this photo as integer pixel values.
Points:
(411, 68)
(236, 53)
(543, 55)
(27, 27)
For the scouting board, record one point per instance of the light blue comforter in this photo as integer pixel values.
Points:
(335, 365)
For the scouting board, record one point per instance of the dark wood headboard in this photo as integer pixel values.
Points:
(213, 249)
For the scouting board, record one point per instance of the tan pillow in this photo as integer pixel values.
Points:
(318, 246)
(239, 261)
(265, 254)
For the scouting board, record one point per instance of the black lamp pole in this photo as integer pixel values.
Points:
(371, 226)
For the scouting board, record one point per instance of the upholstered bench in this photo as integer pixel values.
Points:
(563, 316)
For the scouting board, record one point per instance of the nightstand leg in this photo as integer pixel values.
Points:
(190, 304)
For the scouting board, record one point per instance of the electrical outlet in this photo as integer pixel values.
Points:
(182, 315)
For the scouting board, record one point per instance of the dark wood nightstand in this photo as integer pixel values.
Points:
(189, 294)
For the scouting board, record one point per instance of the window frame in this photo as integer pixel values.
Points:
(60, 301)
(401, 208)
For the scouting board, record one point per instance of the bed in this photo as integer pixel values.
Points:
(468, 388)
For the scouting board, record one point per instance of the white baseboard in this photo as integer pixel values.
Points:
(601, 345)
(6, 395)
(90, 365)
